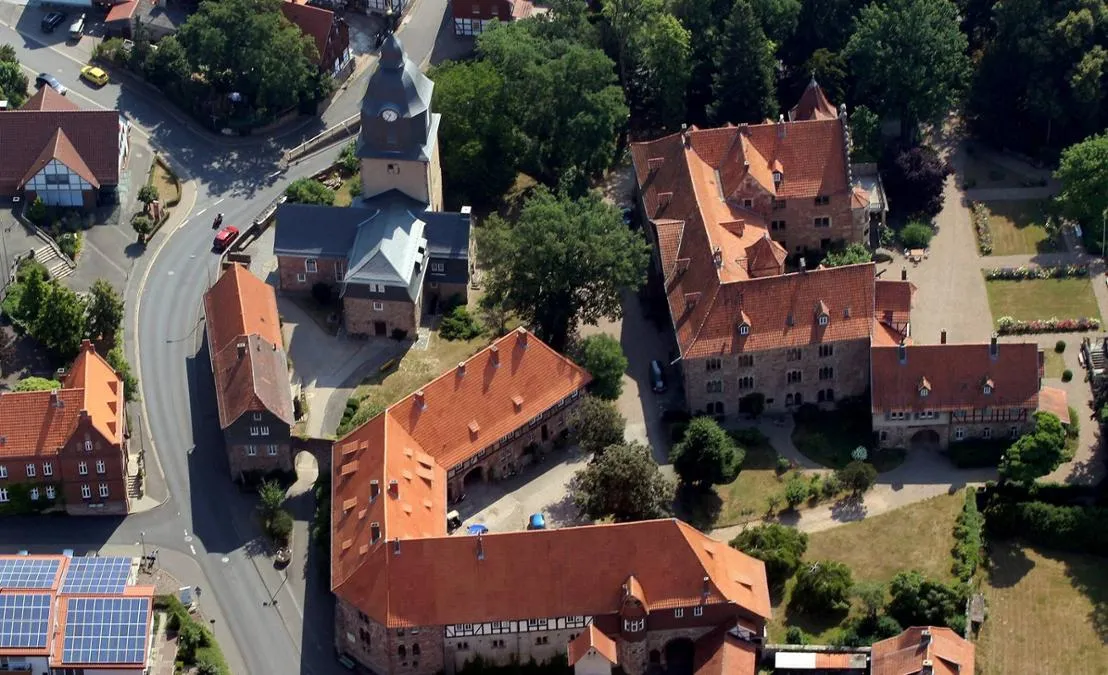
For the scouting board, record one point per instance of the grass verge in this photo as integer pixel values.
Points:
(1042, 299)
(744, 499)
(1019, 227)
(830, 438)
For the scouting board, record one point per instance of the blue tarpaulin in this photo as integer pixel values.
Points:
(477, 529)
(538, 522)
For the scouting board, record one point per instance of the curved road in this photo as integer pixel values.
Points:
(205, 531)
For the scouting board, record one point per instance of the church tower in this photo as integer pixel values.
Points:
(398, 144)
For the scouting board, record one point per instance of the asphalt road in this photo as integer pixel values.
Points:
(206, 527)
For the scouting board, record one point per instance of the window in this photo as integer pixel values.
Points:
(746, 382)
(987, 433)
(47, 469)
(698, 611)
(896, 415)
(884, 436)
(100, 467)
(678, 613)
(50, 493)
(393, 169)
(104, 490)
(924, 392)
(57, 179)
(822, 221)
(748, 203)
(3, 495)
(793, 377)
(959, 433)
(542, 640)
(823, 319)
(987, 389)
(30, 470)
(788, 399)
(301, 277)
(777, 177)
(338, 271)
(271, 450)
(927, 415)
(376, 288)
(826, 351)
(777, 225)
(778, 204)
(793, 355)
(744, 329)
(378, 307)
(633, 625)
(823, 200)
(402, 652)
(86, 492)
(88, 446)
(310, 266)
(830, 395)
(1013, 432)
(257, 417)
(34, 494)
(415, 650)
(82, 468)
(715, 386)
(251, 450)
(827, 373)
(438, 267)
(3, 471)
(255, 430)
(746, 361)
(713, 363)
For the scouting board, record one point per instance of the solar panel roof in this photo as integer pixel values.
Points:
(28, 572)
(99, 576)
(106, 630)
(24, 620)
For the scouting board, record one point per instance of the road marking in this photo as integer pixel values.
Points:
(218, 201)
(192, 548)
(201, 211)
(225, 560)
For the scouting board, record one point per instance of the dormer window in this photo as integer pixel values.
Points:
(987, 386)
(823, 319)
(778, 177)
(744, 328)
(924, 387)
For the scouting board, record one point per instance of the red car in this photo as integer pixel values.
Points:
(225, 236)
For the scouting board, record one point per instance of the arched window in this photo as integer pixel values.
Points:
(415, 650)
(402, 652)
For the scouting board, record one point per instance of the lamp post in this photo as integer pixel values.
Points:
(142, 538)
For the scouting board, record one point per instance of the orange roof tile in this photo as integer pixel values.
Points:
(957, 374)
(46, 98)
(122, 11)
(904, 654)
(1055, 401)
(593, 639)
(240, 303)
(885, 335)
(60, 148)
(315, 22)
(92, 134)
(102, 389)
(893, 300)
(721, 653)
(813, 105)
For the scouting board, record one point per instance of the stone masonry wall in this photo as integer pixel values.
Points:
(262, 461)
(290, 267)
(360, 316)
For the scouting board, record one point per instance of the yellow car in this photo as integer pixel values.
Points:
(95, 75)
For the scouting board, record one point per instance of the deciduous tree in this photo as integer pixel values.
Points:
(857, 476)
(105, 311)
(1036, 453)
(919, 601)
(851, 255)
(865, 135)
(823, 586)
(61, 323)
(781, 548)
(598, 424)
(624, 483)
(119, 364)
(37, 384)
(602, 356)
(744, 83)
(13, 83)
(562, 263)
(168, 64)
(706, 455)
(309, 191)
(1083, 198)
(914, 178)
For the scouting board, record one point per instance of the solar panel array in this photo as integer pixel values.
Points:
(106, 575)
(106, 630)
(28, 573)
(24, 620)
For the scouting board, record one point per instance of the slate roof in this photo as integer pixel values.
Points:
(389, 244)
(25, 134)
(316, 231)
(399, 85)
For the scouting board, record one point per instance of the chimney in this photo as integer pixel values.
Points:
(928, 667)
(55, 402)
(706, 588)
(396, 546)
(904, 274)
(374, 490)
(685, 134)
(87, 346)
(803, 265)
(480, 548)
(394, 489)
(494, 356)
(467, 213)
(717, 257)
(522, 333)
(781, 126)
(942, 337)
(461, 368)
(421, 400)
(902, 352)
(274, 347)
(242, 349)
(375, 532)
(994, 348)
(925, 636)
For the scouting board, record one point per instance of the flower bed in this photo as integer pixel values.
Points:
(980, 215)
(1006, 325)
(1036, 272)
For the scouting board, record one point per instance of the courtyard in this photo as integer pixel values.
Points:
(1027, 300)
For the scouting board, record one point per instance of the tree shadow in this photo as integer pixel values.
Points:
(1008, 564)
(812, 623)
(1086, 575)
(28, 357)
(134, 250)
(848, 509)
(697, 506)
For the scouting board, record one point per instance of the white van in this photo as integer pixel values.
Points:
(77, 28)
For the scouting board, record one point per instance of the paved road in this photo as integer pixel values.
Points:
(206, 519)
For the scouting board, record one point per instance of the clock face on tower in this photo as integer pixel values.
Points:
(389, 115)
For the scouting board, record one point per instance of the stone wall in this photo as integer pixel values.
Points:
(359, 637)
(361, 316)
(290, 267)
(262, 461)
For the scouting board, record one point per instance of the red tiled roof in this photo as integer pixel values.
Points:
(60, 148)
(93, 134)
(893, 300)
(48, 99)
(315, 22)
(122, 11)
(721, 653)
(249, 365)
(593, 638)
(811, 156)
(813, 105)
(904, 654)
(1055, 401)
(957, 375)
(32, 423)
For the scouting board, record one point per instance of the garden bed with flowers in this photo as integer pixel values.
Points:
(1027, 272)
(1043, 304)
(1006, 325)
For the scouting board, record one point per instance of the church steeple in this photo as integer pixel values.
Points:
(397, 122)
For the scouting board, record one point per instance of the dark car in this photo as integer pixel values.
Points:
(657, 377)
(48, 80)
(52, 21)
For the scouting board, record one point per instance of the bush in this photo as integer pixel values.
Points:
(919, 601)
(857, 476)
(36, 212)
(748, 436)
(279, 526)
(706, 455)
(823, 587)
(1079, 529)
(37, 384)
(1029, 272)
(1067, 375)
(70, 244)
(783, 465)
(1073, 428)
(602, 356)
(779, 547)
(321, 293)
(1006, 325)
(459, 325)
(1060, 346)
(795, 635)
(190, 637)
(831, 486)
(309, 191)
(796, 491)
(598, 424)
(980, 215)
(968, 544)
(916, 235)
(349, 160)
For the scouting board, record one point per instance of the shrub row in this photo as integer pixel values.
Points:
(1037, 272)
(1079, 529)
(980, 215)
(967, 538)
(1006, 325)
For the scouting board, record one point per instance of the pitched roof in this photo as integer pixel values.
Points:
(60, 148)
(905, 654)
(315, 22)
(93, 135)
(1056, 402)
(957, 375)
(592, 638)
(813, 105)
(249, 364)
(122, 11)
(35, 422)
(720, 652)
(46, 98)
(893, 300)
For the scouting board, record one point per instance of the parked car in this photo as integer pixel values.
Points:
(94, 75)
(225, 237)
(657, 377)
(48, 80)
(52, 21)
(77, 28)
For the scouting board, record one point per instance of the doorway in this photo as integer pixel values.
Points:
(379, 328)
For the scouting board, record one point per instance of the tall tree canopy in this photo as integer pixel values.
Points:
(1083, 199)
(744, 82)
(563, 262)
(105, 311)
(13, 82)
(706, 455)
(602, 355)
(909, 57)
(624, 483)
(1036, 453)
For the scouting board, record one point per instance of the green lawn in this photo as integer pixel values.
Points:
(343, 196)
(1047, 613)
(917, 537)
(1019, 227)
(1055, 363)
(1042, 299)
(742, 500)
(830, 438)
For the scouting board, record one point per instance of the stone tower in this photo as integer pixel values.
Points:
(398, 144)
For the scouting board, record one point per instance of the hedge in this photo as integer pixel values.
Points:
(1006, 325)
(1079, 529)
(967, 539)
(977, 453)
(1037, 272)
